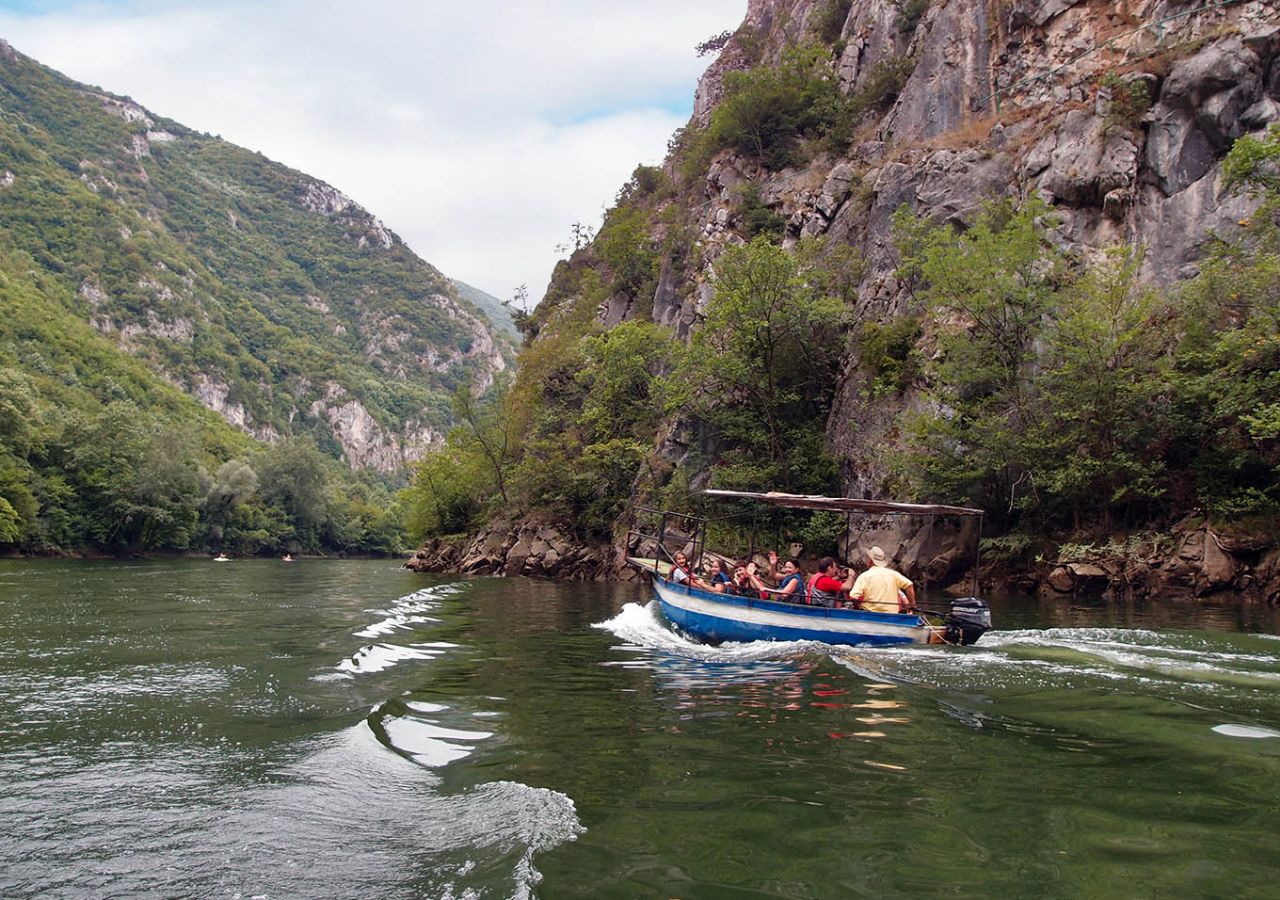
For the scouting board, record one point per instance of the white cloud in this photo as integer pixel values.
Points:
(477, 131)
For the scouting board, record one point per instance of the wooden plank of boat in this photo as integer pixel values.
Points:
(651, 565)
(712, 617)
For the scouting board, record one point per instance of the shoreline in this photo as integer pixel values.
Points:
(91, 554)
(1192, 561)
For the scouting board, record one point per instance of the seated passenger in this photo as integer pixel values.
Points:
(680, 573)
(790, 582)
(825, 587)
(746, 583)
(879, 586)
(717, 578)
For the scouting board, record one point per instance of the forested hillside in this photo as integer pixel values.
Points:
(169, 302)
(1020, 256)
(494, 309)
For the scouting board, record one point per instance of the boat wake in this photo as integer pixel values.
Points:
(1234, 676)
(406, 614)
(644, 629)
(430, 734)
(505, 823)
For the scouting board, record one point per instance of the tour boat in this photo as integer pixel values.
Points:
(714, 617)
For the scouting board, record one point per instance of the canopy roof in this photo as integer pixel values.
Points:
(846, 504)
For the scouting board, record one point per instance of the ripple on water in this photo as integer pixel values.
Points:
(376, 657)
(404, 615)
(343, 814)
(431, 734)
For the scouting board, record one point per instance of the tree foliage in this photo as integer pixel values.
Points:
(124, 480)
(761, 369)
(1066, 392)
(1228, 364)
(987, 292)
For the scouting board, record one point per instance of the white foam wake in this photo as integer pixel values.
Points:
(404, 615)
(644, 629)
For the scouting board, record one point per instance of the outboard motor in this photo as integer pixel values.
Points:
(968, 620)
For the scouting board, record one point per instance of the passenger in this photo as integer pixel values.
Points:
(790, 582)
(682, 574)
(680, 571)
(718, 580)
(746, 583)
(877, 588)
(825, 587)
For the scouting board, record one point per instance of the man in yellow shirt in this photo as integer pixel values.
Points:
(877, 588)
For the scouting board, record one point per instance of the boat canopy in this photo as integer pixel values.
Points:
(845, 504)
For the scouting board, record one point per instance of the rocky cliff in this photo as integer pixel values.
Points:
(1118, 115)
(1004, 100)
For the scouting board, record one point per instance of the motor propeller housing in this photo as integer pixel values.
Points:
(968, 619)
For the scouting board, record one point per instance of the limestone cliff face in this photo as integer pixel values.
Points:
(1003, 99)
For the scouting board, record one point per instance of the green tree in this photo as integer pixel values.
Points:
(1102, 435)
(11, 524)
(1228, 363)
(986, 293)
(19, 415)
(19, 439)
(762, 366)
(448, 490)
(292, 475)
(167, 490)
(488, 427)
(232, 485)
(620, 374)
(100, 456)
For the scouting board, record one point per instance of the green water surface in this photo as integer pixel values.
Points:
(344, 729)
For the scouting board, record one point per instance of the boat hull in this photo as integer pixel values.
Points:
(715, 618)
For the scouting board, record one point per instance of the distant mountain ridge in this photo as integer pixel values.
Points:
(490, 305)
(271, 297)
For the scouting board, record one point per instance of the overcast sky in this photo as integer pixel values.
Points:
(477, 130)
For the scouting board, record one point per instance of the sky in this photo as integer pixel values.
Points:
(478, 131)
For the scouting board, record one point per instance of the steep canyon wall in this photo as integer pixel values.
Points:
(1000, 99)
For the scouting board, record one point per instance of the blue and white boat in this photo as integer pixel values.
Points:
(715, 618)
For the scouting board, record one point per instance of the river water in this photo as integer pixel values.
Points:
(342, 729)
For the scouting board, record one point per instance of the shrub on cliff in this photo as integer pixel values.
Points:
(828, 23)
(766, 111)
(625, 246)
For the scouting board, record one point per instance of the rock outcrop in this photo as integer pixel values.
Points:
(522, 548)
(1197, 562)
